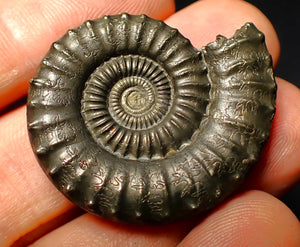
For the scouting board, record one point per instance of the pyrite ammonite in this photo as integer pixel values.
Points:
(133, 123)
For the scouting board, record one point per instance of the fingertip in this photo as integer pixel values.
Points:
(279, 168)
(202, 21)
(29, 27)
(90, 230)
(253, 218)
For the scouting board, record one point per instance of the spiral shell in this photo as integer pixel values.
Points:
(132, 123)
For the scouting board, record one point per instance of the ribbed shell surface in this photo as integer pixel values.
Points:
(132, 123)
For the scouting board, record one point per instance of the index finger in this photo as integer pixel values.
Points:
(203, 20)
(28, 28)
(206, 19)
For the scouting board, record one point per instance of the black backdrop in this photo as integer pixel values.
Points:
(285, 17)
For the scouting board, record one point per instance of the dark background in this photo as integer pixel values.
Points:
(285, 16)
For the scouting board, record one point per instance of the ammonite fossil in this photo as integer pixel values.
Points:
(133, 123)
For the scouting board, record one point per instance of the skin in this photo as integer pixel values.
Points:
(33, 212)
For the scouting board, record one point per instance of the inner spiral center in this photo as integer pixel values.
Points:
(132, 96)
(123, 96)
(134, 99)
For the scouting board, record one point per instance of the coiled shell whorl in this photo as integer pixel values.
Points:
(132, 123)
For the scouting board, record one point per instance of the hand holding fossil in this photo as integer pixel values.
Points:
(33, 206)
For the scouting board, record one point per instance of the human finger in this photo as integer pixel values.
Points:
(203, 20)
(27, 198)
(28, 30)
(29, 27)
(279, 166)
(253, 218)
(200, 22)
(88, 230)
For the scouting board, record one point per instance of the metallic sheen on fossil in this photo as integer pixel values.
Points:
(133, 123)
